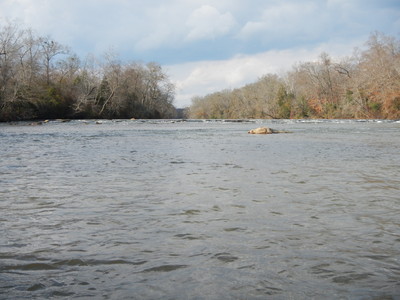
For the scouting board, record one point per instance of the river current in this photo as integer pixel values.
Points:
(200, 210)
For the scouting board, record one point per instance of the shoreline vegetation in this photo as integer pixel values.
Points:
(41, 79)
(363, 86)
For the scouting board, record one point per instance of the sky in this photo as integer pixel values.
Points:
(207, 46)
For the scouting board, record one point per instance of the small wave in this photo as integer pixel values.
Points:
(36, 287)
(177, 162)
(191, 212)
(61, 294)
(188, 236)
(351, 278)
(92, 262)
(234, 229)
(268, 288)
(69, 262)
(31, 267)
(225, 257)
(322, 270)
(164, 268)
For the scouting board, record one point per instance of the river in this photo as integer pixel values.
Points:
(200, 210)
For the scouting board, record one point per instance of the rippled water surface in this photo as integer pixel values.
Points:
(200, 210)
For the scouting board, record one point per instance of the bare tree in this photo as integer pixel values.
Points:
(86, 84)
(10, 45)
(50, 49)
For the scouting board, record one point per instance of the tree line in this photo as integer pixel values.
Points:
(43, 79)
(365, 85)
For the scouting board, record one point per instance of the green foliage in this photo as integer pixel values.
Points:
(349, 96)
(330, 111)
(51, 103)
(374, 106)
(302, 109)
(284, 103)
(103, 92)
(396, 104)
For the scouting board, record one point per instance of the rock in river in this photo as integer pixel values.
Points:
(266, 130)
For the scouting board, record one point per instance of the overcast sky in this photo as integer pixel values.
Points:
(206, 46)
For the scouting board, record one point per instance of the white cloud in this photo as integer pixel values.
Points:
(144, 30)
(283, 19)
(136, 25)
(207, 22)
(251, 28)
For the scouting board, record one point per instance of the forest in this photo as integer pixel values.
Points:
(363, 86)
(43, 79)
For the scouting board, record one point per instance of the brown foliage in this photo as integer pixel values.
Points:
(366, 85)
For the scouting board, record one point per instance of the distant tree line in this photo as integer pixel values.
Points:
(366, 85)
(42, 79)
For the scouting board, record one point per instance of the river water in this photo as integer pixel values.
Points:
(200, 210)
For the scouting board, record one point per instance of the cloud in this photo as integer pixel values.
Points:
(207, 22)
(181, 30)
(284, 20)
